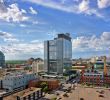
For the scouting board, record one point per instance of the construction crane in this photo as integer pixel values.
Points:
(105, 67)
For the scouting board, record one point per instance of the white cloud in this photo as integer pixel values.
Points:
(35, 48)
(103, 3)
(105, 36)
(17, 49)
(52, 32)
(23, 50)
(84, 6)
(32, 11)
(35, 22)
(23, 11)
(1, 1)
(93, 43)
(5, 35)
(12, 13)
(11, 40)
(53, 4)
(22, 25)
(81, 7)
(8, 37)
(35, 41)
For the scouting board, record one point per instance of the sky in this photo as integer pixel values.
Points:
(26, 24)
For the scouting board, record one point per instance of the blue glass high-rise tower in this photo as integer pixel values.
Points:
(2, 60)
(58, 54)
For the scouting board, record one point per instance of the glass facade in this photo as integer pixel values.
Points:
(67, 55)
(99, 65)
(52, 56)
(2, 59)
(46, 56)
(58, 54)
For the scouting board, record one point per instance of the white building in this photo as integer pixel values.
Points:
(15, 81)
(37, 66)
(94, 59)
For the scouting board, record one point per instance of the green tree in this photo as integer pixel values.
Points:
(44, 86)
(28, 68)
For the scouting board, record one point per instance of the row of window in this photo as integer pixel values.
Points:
(94, 75)
(37, 95)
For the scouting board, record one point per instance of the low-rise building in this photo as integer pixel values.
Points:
(94, 59)
(27, 94)
(96, 78)
(15, 81)
(92, 78)
(99, 65)
(37, 66)
(52, 83)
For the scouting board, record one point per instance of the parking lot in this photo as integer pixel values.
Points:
(88, 94)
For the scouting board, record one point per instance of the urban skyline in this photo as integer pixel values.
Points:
(26, 24)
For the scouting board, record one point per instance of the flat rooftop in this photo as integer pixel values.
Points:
(54, 80)
(51, 76)
(18, 74)
(22, 94)
(27, 92)
(93, 73)
(2, 92)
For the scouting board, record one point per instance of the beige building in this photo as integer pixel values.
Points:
(37, 66)
(94, 59)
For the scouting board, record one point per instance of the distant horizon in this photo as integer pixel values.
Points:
(26, 24)
(43, 58)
